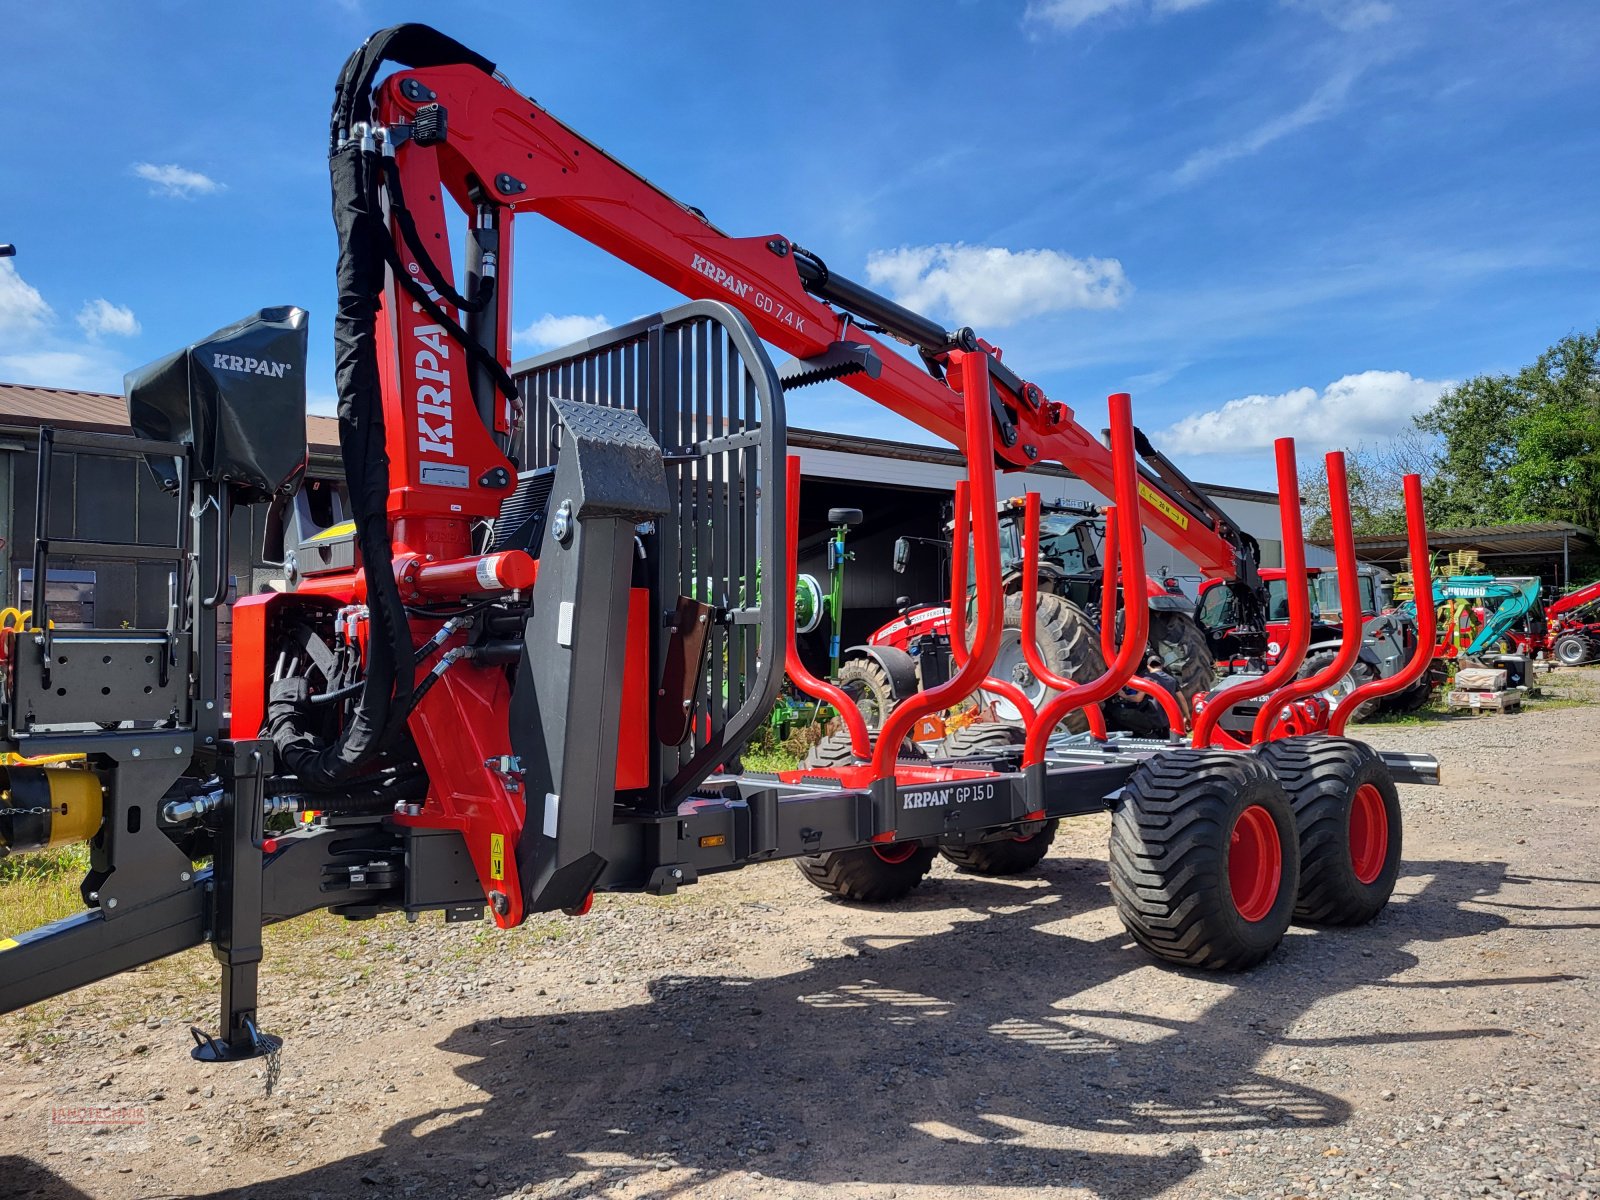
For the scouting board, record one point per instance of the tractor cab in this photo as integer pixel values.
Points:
(1069, 557)
(1216, 611)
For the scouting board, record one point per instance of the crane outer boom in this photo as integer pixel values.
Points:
(502, 148)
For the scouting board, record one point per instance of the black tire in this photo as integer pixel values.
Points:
(865, 874)
(834, 750)
(1347, 812)
(980, 740)
(869, 874)
(1176, 866)
(866, 682)
(1179, 642)
(1572, 650)
(1011, 856)
(1358, 675)
(1412, 699)
(1068, 641)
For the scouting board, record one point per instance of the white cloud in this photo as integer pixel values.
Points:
(550, 331)
(89, 369)
(169, 179)
(100, 316)
(1368, 406)
(33, 350)
(1065, 15)
(22, 308)
(992, 286)
(1351, 16)
(1324, 102)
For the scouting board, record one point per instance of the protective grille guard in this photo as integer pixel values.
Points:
(708, 394)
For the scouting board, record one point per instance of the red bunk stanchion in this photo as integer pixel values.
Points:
(1206, 732)
(1136, 617)
(1344, 551)
(1108, 628)
(1028, 634)
(817, 689)
(971, 369)
(958, 607)
(1427, 617)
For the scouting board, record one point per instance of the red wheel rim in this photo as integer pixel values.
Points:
(897, 852)
(1255, 863)
(1369, 833)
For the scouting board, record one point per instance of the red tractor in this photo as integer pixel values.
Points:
(1386, 643)
(1572, 634)
(912, 652)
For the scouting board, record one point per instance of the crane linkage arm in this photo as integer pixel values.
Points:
(1573, 601)
(457, 129)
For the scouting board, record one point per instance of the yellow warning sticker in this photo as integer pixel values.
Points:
(1163, 506)
(343, 529)
(497, 856)
(9, 943)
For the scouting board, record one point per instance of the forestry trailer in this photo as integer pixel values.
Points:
(513, 678)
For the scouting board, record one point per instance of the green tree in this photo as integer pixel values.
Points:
(1523, 447)
(1375, 478)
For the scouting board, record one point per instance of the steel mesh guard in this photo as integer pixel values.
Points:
(710, 397)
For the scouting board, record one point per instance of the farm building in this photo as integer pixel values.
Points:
(902, 490)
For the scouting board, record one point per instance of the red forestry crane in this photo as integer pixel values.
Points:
(488, 713)
(457, 129)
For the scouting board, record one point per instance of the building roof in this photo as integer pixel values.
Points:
(1527, 540)
(27, 405)
(22, 403)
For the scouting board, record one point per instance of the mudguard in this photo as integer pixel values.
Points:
(900, 666)
(1167, 602)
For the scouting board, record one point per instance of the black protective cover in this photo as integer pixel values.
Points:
(238, 397)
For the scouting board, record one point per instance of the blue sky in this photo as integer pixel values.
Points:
(1258, 216)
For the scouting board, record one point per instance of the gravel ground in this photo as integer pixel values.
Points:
(986, 1039)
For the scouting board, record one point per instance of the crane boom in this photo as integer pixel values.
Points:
(462, 130)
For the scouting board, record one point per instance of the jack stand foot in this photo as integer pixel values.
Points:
(208, 1049)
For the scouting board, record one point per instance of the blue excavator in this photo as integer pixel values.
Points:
(1485, 614)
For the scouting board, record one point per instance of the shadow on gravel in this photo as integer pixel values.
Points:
(936, 1060)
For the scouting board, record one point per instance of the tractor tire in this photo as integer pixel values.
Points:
(975, 741)
(1573, 650)
(866, 682)
(1179, 642)
(1205, 863)
(1412, 699)
(1358, 675)
(1068, 642)
(864, 874)
(834, 750)
(1012, 856)
(1347, 812)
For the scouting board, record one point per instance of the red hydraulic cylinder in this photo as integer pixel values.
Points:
(1299, 635)
(506, 571)
(1427, 618)
(817, 689)
(1136, 616)
(1344, 550)
(972, 368)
